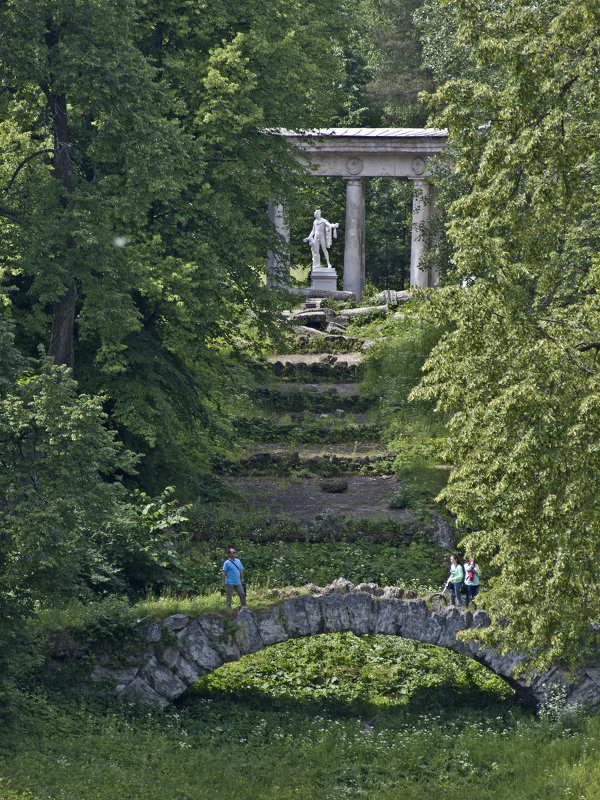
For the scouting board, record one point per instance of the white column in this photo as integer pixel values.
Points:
(278, 264)
(434, 209)
(421, 211)
(354, 246)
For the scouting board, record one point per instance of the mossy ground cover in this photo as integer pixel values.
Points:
(311, 429)
(417, 564)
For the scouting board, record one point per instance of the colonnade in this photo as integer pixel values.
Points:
(278, 270)
(357, 154)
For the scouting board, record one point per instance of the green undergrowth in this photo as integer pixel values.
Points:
(368, 674)
(295, 399)
(221, 522)
(420, 484)
(326, 463)
(245, 745)
(321, 345)
(331, 429)
(413, 565)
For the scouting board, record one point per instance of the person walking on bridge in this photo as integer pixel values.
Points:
(471, 570)
(456, 579)
(232, 578)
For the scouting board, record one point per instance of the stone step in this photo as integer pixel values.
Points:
(341, 389)
(362, 311)
(343, 451)
(317, 318)
(337, 417)
(313, 303)
(303, 367)
(320, 460)
(334, 338)
(323, 397)
(307, 291)
(391, 297)
(352, 357)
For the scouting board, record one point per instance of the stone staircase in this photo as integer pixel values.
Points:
(312, 445)
(305, 396)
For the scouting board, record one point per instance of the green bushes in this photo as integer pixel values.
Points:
(297, 400)
(278, 563)
(414, 430)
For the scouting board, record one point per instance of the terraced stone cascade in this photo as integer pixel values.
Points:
(318, 388)
(177, 651)
(310, 424)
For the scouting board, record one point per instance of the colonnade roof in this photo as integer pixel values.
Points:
(357, 153)
(387, 133)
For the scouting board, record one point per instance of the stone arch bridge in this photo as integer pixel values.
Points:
(177, 651)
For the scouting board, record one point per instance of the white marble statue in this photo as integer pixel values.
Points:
(320, 238)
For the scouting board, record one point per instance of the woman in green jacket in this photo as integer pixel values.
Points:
(457, 576)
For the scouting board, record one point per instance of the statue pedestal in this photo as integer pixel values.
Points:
(323, 278)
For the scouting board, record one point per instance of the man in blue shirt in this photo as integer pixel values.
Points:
(232, 577)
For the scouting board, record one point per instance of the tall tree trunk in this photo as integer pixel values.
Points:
(63, 319)
(63, 322)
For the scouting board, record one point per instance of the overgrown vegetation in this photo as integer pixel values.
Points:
(136, 167)
(366, 675)
(516, 370)
(272, 749)
(385, 561)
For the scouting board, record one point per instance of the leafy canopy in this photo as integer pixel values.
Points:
(518, 369)
(134, 179)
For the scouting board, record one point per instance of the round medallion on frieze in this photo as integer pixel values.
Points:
(354, 165)
(418, 165)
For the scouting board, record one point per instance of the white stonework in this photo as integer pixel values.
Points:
(357, 154)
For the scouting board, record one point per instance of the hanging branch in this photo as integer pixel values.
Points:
(12, 217)
(8, 186)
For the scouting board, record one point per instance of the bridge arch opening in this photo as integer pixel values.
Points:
(179, 650)
(363, 673)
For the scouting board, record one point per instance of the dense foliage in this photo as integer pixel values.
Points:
(518, 370)
(136, 165)
(135, 172)
(370, 673)
(135, 169)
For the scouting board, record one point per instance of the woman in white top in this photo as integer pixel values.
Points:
(471, 579)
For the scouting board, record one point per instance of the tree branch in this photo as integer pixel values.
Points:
(13, 217)
(587, 346)
(8, 186)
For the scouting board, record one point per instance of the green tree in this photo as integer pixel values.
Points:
(59, 497)
(394, 56)
(518, 370)
(135, 174)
